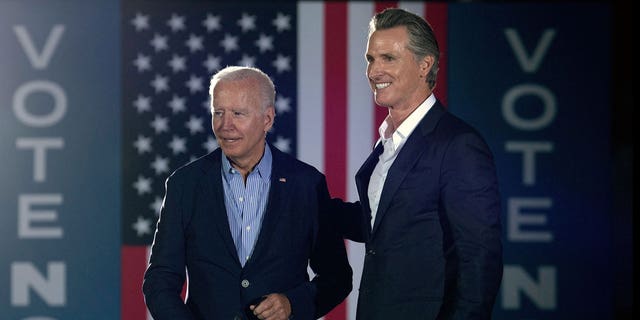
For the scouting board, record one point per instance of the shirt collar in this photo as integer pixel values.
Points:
(263, 168)
(409, 124)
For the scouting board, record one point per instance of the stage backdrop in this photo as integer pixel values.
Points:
(101, 100)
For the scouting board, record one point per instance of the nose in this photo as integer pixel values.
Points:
(223, 122)
(373, 70)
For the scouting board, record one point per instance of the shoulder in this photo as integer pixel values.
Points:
(455, 125)
(450, 127)
(450, 130)
(194, 170)
(439, 123)
(292, 166)
(461, 137)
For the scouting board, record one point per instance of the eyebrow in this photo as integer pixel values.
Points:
(384, 55)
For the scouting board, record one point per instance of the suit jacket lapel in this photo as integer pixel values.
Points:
(363, 177)
(276, 203)
(214, 197)
(406, 159)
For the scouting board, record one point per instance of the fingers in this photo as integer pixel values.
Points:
(274, 307)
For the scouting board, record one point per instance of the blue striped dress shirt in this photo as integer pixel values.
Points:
(246, 204)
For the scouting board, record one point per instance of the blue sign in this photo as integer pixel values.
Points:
(59, 149)
(534, 79)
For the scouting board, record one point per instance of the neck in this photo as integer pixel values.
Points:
(245, 167)
(398, 115)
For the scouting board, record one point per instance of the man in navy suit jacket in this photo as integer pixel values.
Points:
(429, 209)
(243, 223)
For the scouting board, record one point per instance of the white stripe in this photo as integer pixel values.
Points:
(360, 101)
(360, 119)
(311, 83)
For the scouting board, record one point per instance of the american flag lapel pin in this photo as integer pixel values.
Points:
(282, 179)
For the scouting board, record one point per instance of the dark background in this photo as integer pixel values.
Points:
(622, 144)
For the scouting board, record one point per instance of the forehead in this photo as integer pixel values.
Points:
(235, 93)
(388, 38)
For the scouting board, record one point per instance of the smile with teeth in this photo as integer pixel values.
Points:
(382, 85)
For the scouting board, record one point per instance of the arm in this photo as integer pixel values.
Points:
(165, 275)
(329, 260)
(333, 276)
(348, 218)
(472, 206)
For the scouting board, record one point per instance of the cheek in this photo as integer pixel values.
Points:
(250, 129)
(368, 70)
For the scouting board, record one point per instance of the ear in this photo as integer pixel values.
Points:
(269, 117)
(425, 65)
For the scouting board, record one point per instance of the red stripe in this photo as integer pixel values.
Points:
(134, 263)
(437, 14)
(380, 113)
(335, 108)
(335, 96)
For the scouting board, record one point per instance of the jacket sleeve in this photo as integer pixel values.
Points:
(329, 262)
(165, 275)
(348, 218)
(472, 206)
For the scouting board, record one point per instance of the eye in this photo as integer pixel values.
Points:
(218, 114)
(239, 114)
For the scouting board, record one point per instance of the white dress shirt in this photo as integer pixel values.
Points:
(392, 146)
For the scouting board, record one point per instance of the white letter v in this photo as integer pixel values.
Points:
(529, 64)
(39, 61)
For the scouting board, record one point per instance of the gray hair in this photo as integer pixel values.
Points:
(422, 40)
(264, 85)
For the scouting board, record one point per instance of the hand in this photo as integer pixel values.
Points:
(275, 306)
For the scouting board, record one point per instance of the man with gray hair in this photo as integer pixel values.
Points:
(429, 209)
(243, 222)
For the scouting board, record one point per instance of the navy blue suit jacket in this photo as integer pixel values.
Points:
(193, 235)
(434, 251)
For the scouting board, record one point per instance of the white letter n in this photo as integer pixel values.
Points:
(51, 288)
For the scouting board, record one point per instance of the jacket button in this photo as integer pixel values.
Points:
(371, 252)
(245, 283)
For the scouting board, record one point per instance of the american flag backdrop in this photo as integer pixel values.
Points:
(314, 52)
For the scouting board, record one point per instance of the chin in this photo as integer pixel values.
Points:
(380, 100)
(382, 103)
(227, 150)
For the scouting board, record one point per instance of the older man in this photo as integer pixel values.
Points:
(243, 222)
